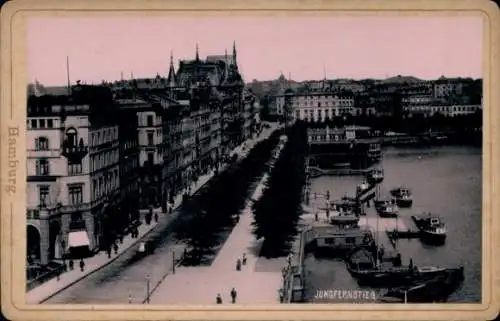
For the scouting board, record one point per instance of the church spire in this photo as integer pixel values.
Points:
(171, 82)
(197, 54)
(225, 77)
(234, 54)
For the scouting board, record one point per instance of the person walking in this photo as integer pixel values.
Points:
(71, 265)
(244, 261)
(115, 247)
(218, 300)
(238, 265)
(233, 295)
(82, 265)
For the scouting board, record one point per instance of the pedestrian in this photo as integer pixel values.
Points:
(71, 265)
(108, 250)
(82, 265)
(115, 247)
(218, 300)
(233, 295)
(289, 259)
(316, 216)
(281, 295)
(238, 265)
(244, 259)
(121, 238)
(58, 274)
(156, 217)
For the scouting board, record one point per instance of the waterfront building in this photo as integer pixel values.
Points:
(72, 172)
(444, 110)
(316, 106)
(349, 146)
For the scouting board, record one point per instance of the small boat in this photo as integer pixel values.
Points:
(432, 228)
(387, 208)
(344, 219)
(362, 187)
(375, 176)
(402, 196)
(432, 290)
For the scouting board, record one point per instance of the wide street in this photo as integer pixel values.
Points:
(125, 280)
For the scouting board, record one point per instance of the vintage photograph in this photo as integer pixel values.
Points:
(250, 160)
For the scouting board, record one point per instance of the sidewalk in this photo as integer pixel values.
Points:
(200, 285)
(100, 260)
(52, 287)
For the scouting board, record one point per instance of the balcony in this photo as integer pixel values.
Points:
(74, 152)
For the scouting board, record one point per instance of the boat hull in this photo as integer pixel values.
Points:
(396, 277)
(404, 202)
(432, 238)
(384, 213)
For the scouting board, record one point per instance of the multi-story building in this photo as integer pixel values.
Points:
(72, 173)
(316, 106)
(211, 88)
(444, 87)
(250, 109)
(445, 110)
(149, 128)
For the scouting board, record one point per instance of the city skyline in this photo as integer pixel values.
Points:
(365, 47)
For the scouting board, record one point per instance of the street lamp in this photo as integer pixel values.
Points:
(147, 287)
(173, 262)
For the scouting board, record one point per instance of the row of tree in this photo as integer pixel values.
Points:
(215, 208)
(277, 212)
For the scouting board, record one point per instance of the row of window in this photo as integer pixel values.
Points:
(150, 120)
(42, 167)
(105, 184)
(104, 135)
(40, 123)
(75, 194)
(104, 159)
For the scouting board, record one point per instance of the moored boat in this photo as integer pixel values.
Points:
(432, 228)
(375, 176)
(433, 290)
(402, 196)
(344, 219)
(386, 208)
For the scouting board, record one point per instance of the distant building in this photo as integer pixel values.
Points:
(317, 106)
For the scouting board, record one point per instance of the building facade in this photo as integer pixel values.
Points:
(72, 173)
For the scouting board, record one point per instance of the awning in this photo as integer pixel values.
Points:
(78, 239)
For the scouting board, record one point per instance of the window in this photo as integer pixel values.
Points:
(150, 121)
(33, 123)
(74, 167)
(75, 194)
(42, 167)
(50, 123)
(42, 143)
(71, 137)
(43, 192)
(76, 221)
(42, 123)
(151, 158)
(150, 138)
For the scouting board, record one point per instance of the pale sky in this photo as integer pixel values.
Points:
(303, 47)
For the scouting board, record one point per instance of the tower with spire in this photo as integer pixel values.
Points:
(171, 81)
(235, 62)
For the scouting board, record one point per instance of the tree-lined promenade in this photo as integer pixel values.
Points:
(277, 212)
(215, 209)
